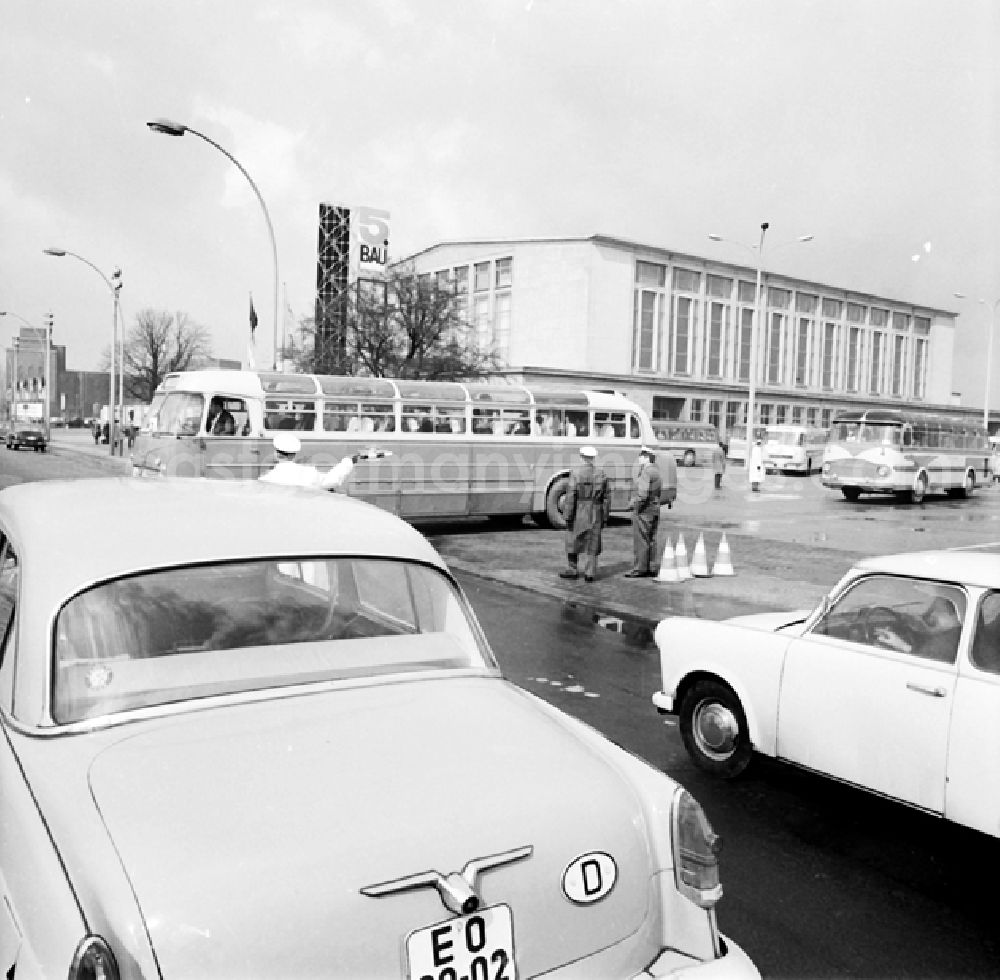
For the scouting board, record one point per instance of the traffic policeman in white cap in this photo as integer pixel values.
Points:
(586, 508)
(644, 505)
(291, 473)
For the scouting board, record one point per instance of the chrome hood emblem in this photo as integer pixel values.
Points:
(457, 889)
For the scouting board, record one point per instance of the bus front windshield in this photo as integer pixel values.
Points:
(886, 435)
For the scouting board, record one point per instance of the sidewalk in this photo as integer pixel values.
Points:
(770, 574)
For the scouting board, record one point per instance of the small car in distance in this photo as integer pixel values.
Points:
(892, 683)
(267, 737)
(26, 438)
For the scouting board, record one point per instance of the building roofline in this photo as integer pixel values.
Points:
(615, 241)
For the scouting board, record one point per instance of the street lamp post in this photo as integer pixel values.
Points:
(989, 358)
(115, 285)
(170, 128)
(755, 326)
(46, 367)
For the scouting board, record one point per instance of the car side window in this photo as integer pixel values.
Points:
(8, 591)
(986, 642)
(906, 615)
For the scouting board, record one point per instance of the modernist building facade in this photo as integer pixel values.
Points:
(674, 331)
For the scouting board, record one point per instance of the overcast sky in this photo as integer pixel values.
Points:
(871, 124)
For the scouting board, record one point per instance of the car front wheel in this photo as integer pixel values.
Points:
(714, 729)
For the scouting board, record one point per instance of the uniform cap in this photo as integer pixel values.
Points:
(648, 450)
(588, 452)
(285, 442)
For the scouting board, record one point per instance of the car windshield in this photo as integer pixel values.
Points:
(197, 631)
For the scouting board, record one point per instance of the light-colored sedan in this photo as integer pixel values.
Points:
(256, 731)
(892, 683)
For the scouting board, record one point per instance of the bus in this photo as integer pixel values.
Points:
(906, 454)
(456, 449)
(792, 448)
(692, 443)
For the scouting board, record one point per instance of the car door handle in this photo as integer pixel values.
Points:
(934, 692)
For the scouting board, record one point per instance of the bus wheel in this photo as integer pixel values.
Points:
(689, 457)
(919, 490)
(851, 493)
(554, 502)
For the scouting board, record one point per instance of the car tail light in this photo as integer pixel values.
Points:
(696, 852)
(93, 961)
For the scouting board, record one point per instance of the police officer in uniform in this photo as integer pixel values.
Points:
(586, 508)
(644, 505)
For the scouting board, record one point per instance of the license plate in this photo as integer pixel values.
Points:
(468, 947)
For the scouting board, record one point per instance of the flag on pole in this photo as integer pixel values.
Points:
(251, 361)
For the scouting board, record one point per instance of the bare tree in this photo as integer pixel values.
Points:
(156, 344)
(405, 326)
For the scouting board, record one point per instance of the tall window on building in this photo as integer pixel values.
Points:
(735, 414)
(718, 359)
(746, 342)
(715, 413)
(777, 299)
(774, 338)
(853, 357)
(647, 329)
(718, 339)
(684, 317)
(878, 356)
(921, 331)
(766, 413)
(831, 354)
(696, 411)
(898, 363)
(685, 320)
(805, 306)
(460, 281)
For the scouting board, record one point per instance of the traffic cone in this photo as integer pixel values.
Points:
(723, 563)
(699, 560)
(681, 558)
(668, 570)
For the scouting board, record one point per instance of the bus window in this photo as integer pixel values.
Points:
(609, 425)
(180, 414)
(378, 418)
(634, 428)
(418, 418)
(227, 417)
(516, 421)
(450, 420)
(341, 417)
(545, 423)
(577, 424)
(485, 421)
(289, 413)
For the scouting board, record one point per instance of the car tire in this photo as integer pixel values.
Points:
(554, 502)
(714, 729)
(851, 493)
(919, 490)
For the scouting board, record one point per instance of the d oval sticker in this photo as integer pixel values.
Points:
(589, 877)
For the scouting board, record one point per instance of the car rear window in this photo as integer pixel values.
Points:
(182, 633)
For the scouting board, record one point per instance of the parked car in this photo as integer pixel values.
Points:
(892, 683)
(26, 438)
(267, 737)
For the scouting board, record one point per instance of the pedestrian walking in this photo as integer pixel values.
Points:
(718, 464)
(291, 473)
(586, 508)
(644, 505)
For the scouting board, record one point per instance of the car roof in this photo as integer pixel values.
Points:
(973, 566)
(69, 534)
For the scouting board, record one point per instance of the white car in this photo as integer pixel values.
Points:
(892, 683)
(255, 731)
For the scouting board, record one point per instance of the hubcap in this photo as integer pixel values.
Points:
(715, 729)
